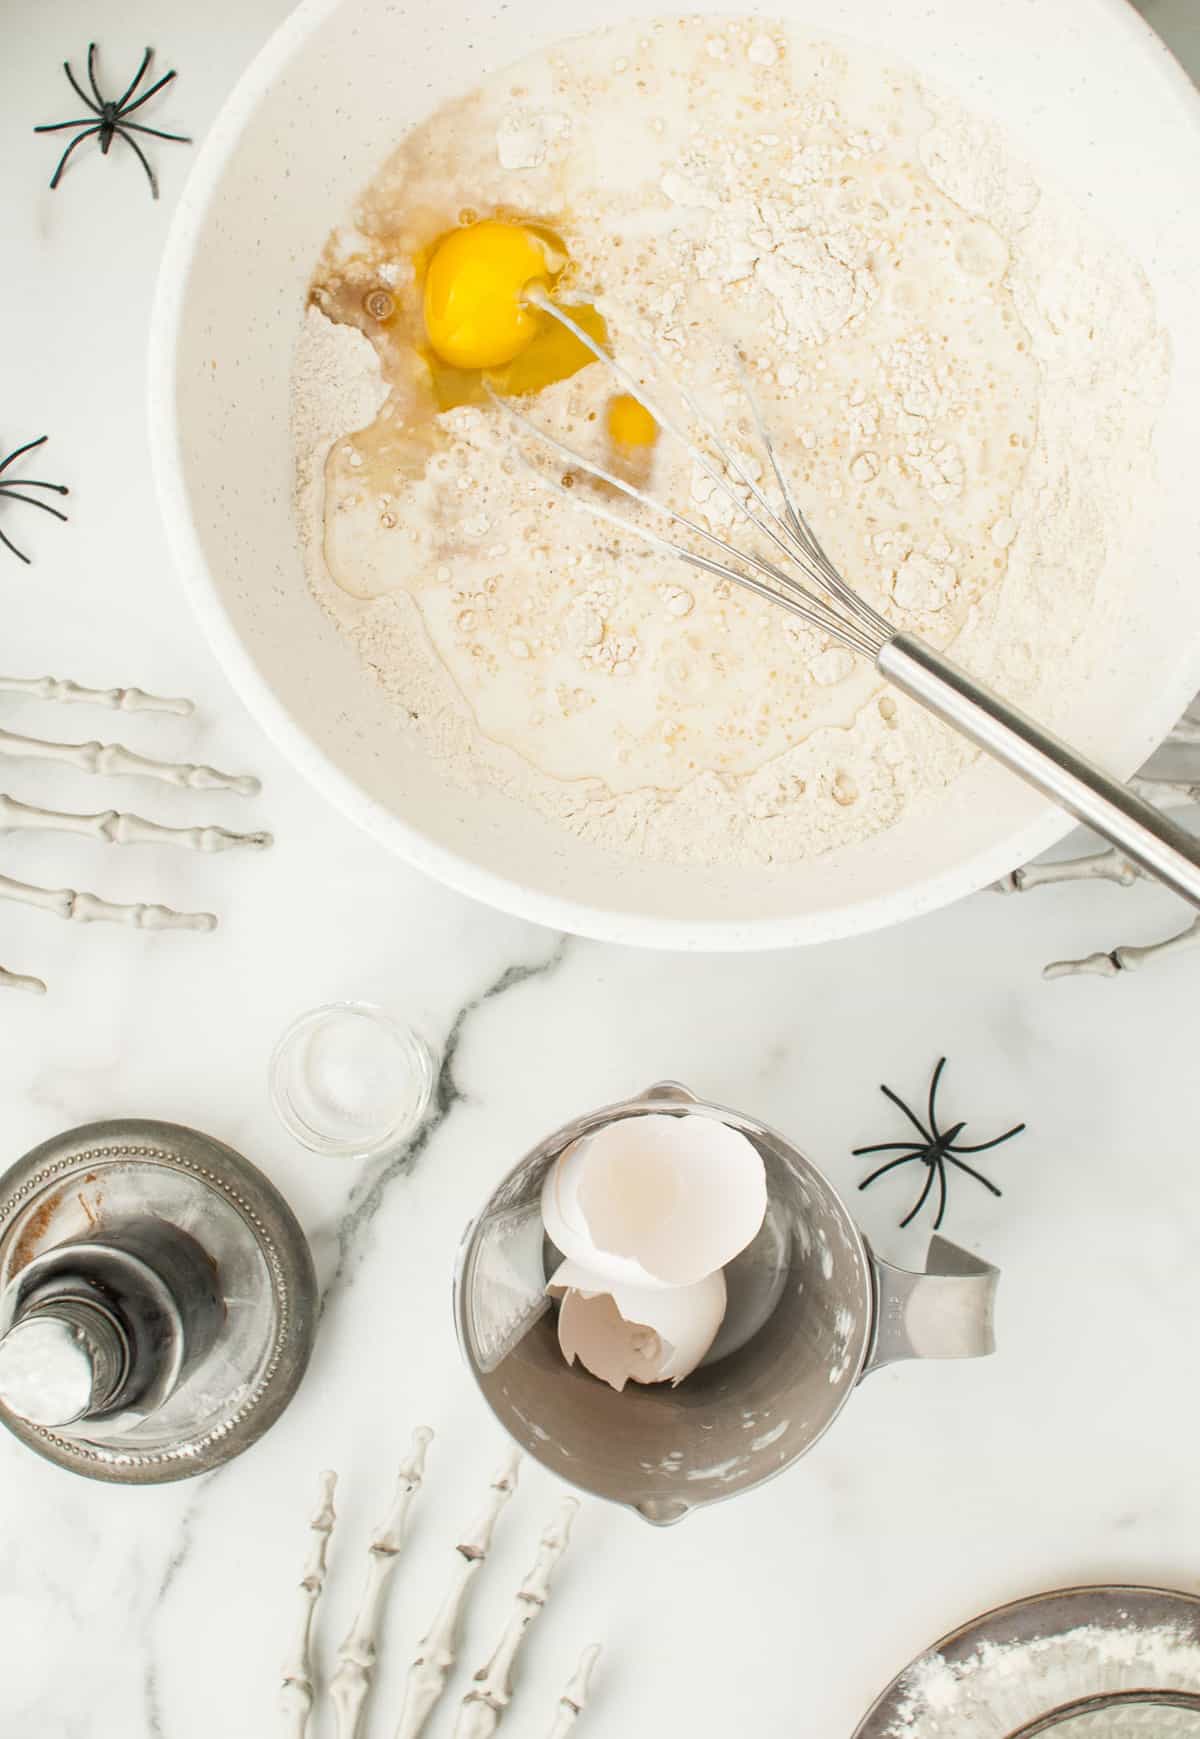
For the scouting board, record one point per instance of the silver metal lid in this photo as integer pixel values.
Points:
(72, 1187)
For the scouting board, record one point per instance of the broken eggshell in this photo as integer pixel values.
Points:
(629, 1333)
(655, 1201)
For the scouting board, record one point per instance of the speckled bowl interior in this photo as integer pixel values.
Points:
(1093, 103)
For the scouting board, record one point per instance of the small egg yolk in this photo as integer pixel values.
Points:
(630, 424)
(474, 313)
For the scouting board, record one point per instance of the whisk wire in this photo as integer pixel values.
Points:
(803, 531)
(1150, 839)
(783, 539)
(786, 538)
(818, 610)
(732, 463)
(693, 558)
(792, 523)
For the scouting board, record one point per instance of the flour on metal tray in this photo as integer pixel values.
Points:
(1002, 1686)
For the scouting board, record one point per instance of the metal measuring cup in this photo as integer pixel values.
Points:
(812, 1310)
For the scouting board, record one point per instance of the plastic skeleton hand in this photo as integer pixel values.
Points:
(490, 1691)
(1111, 866)
(112, 826)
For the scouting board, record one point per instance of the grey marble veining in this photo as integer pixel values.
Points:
(367, 1196)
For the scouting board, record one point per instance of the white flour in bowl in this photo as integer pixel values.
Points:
(961, 377)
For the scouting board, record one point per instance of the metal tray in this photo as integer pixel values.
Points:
(1055, 1614)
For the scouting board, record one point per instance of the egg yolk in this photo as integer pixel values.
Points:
(630, 424)
(475, 315)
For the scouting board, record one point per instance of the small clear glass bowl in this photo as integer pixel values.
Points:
(1121, 1715)
(349, 1081)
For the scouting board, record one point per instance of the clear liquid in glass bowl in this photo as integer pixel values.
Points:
(350, 1081)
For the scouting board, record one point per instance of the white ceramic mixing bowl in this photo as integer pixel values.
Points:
(1091, 100)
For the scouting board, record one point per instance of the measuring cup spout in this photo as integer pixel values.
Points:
(945, 1313)
(662, 1512)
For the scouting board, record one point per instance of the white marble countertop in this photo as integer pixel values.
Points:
(138, 1614)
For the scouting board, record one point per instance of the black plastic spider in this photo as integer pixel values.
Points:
(111, 117)
(12, 486)
(934, 1148)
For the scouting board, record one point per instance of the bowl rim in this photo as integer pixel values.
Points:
(1045, 826)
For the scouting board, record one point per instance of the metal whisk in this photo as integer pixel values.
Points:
(800, 578)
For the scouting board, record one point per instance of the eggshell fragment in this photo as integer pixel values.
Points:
(628, 1333)
(656, 1200)
(567, 1230)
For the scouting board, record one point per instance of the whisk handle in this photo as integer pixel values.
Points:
(1148, 838)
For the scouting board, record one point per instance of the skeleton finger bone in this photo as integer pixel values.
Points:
(59, 688)
(114, 827)
(351, 1682)
(573, 1700)
(438, 1648)
(110, 826)
(1106, 866)
(296, 1693)
(1112, 866)
(85, 908)
(21, 981)
(115, 759)
(484, 1704)
(1124, 959)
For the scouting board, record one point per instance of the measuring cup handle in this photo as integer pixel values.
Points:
(945, 1313)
